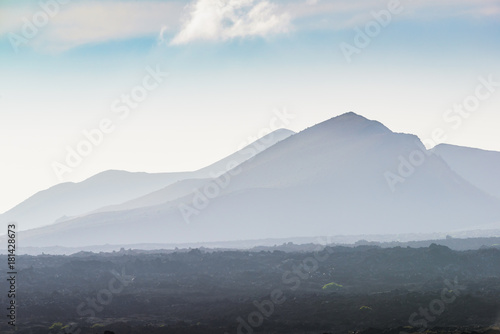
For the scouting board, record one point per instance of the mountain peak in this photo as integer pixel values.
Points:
(278, 134)
(353, 117)
(351, 123)
(350, 114)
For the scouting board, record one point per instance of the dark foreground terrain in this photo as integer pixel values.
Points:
(330, 290)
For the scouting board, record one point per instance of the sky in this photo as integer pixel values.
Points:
(164, 86)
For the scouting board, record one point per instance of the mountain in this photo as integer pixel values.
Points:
(169, 193)
(479, 167)
(69, 199)
(66, 200)
(347, 175)
(246, 153)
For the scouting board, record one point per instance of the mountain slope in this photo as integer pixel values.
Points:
(329, 179)
(204, 175)
(70, 199)
(479, 167)
(66, 200)
(169, 193)
(244, 154)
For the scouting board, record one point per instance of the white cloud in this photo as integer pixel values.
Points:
(226, 19)
(161, 37)
(81, 23)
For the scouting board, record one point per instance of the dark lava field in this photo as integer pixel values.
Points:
(363, 289)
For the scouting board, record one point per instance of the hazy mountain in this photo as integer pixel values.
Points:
(329, 179)
(169, 193)
(70, 199)
(66, 200)
(201, 176)
(247, 152)
(479, 167)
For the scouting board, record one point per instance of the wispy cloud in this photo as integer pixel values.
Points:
(312, 2)
(219, 20)
(341, 14)
(81, 23)
(161, 35)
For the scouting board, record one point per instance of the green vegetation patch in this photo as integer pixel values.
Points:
(332, 286)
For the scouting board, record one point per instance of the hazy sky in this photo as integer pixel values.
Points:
(70, 66)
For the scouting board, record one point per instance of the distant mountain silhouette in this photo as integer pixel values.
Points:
(347, 175)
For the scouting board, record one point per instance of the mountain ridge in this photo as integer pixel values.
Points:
(112, 187)
(322, 180)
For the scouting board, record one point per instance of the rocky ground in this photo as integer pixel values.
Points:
(365, 289)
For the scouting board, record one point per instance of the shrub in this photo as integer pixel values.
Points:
(332, 286)
(56, 326)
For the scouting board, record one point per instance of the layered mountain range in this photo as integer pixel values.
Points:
(347, 175)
